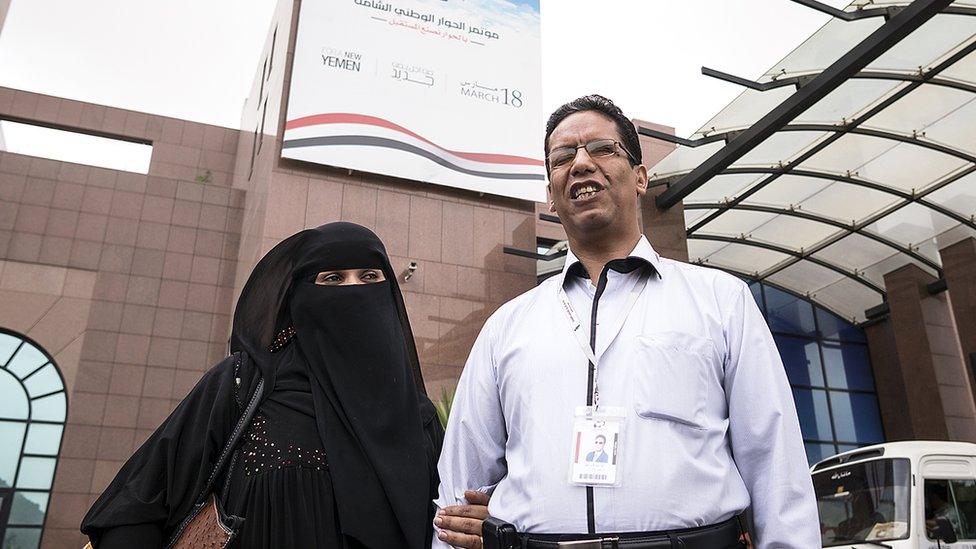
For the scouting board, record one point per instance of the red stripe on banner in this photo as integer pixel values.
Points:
(349, 118)
(576, 453)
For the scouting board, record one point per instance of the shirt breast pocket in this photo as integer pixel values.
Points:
(671, 377)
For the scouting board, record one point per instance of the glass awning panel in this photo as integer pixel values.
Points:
(962, 71)
(826, 46)
(912, 224)
(848, 202)
(851, 99)
(692, 216)
(745, 109)
(699, 250)
(879, 173)
(688, 159)
(957, 197)
(745, 258)
(920, 109)
(723, 188)
(927, 45)
(788, 190)
(781, 148)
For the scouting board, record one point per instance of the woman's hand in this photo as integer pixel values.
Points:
(460, 525)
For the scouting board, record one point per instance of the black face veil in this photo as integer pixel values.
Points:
(364, 374)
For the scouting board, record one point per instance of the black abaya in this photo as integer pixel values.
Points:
(356, 440)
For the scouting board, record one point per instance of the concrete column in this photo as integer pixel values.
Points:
(923, 410)
(959, 267)
(665, 229)
(888, 381)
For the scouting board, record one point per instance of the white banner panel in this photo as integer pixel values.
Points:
(440, 91)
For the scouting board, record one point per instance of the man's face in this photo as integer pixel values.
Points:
(613, 207)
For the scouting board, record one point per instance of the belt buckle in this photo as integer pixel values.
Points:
(588, 543)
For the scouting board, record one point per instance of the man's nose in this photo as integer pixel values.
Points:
(582, 162)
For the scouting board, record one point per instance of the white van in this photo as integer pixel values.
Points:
(901, 495)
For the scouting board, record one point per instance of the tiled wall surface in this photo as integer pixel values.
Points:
(165, 254)
(950, 370)
(147, 264)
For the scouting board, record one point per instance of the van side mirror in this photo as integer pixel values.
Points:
(943, 530)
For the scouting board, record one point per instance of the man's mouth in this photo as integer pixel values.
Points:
(584, 190)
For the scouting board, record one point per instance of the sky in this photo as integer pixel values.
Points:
(195, 60)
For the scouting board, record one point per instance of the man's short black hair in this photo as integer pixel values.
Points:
(598, 437)
(600, 104)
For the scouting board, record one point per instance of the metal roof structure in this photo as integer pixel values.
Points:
(853, 156)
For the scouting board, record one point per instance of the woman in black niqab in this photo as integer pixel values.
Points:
(343, 450)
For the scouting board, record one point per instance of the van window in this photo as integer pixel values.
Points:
(864, 501)
(953, 499)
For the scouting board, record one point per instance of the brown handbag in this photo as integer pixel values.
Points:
(207, 526)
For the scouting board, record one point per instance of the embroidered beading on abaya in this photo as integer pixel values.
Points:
(282, 485)
(342, 451)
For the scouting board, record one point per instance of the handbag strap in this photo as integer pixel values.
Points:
(235, 436)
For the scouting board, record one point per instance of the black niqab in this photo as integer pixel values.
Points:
(366, 384)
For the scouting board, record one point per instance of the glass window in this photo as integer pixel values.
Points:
(31, 428)
(8, 344)
(953, 500)
(801, 357)
(834, 327)
(43, 438)
(28, 508)
(36, 472)
(856, 417)
(756, 289)
(864, 501)
(11, 439)
(811, 407)
(21, 538)
(49, 408)
(13, 405)
(821, 349)
(817, 451)
(788, 313)
(848, 366)
(27, 359)
(44, 381)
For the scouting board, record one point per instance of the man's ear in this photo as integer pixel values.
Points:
(552, 203)
(641, 179)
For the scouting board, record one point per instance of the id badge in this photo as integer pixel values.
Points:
(597, 438)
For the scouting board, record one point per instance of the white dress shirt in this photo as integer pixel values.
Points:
(710, 427)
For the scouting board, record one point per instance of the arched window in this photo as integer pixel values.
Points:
(33, 407)
(826, 360)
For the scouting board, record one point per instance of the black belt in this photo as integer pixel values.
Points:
(724, 535)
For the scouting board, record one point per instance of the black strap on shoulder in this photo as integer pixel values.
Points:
(235, 436)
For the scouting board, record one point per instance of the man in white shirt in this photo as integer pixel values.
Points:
(675, 361)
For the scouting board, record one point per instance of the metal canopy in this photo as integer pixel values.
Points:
(838, 166)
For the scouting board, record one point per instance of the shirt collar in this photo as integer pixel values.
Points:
(642, 250)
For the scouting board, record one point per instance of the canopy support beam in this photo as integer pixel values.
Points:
(876, 44)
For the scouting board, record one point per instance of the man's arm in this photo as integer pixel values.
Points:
(766, 442)
(473, 455)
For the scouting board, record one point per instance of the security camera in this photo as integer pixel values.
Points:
(411, 268)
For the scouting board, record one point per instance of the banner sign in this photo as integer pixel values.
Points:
(439, 91)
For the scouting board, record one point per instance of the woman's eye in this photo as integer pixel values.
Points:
(370, 275)
(331, 278)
